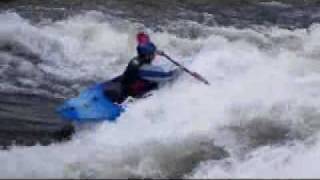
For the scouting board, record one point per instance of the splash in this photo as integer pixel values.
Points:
(255, 120)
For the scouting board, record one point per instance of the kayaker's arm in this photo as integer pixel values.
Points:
(157, 73)
(131, 72)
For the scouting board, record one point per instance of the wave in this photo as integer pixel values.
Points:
(255, 120)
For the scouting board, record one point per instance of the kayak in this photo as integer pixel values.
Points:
(91, 105)
(102, 101)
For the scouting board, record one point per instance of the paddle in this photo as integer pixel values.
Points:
(194, 74)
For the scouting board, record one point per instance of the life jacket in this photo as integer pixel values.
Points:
(140, 87)
(137, 87)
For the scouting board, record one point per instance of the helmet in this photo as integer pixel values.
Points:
(146, 49)
(142, 38)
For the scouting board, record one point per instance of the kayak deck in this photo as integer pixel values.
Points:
(90, 105)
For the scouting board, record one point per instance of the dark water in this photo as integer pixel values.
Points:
(157, 14)
(27, 119)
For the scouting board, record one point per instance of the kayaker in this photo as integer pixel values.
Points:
(141, 75)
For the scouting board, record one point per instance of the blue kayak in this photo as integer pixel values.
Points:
(91, 105)
(98, 103)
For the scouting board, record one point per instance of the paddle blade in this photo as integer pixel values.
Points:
(199, 77)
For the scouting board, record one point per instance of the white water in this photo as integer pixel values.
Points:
(262, 105)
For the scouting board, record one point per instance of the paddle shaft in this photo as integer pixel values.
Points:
(193, 74)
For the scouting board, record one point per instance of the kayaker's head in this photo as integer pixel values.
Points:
(142, 38)
(147, 52)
